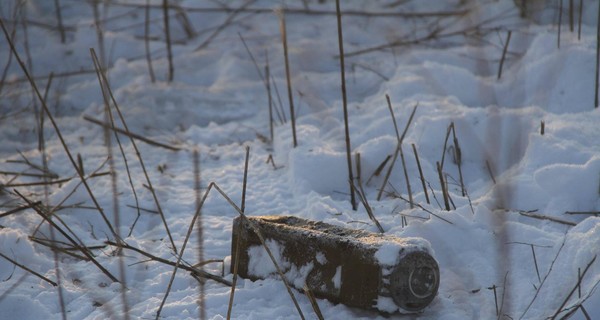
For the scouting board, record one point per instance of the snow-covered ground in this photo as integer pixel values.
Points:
(528, 147)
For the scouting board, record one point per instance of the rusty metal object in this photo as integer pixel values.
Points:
(354, 267)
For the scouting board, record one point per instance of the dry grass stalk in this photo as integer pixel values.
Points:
(493, 288)
(41, 138)
(41, 212)
(597, 60)
(165, 7)
(137, 151)
(410, 197)
(184, 21)
(224, 25)
(542, 127)
(62, 247)
(99, 32)
(444, 186)
(458, 160)
(9, 60)
(504, 50)
(147, 41)
(200, 236)
(280, 114)
(560, 12)
(198, 272)
(130, 134)
(283, 31)
(362, 196)
(539, 288)
(489, 169)
(61, 27)
(57, 130)
(254, 228)
(15, 285)
(196, 220)
(42, 149)
(237, 245)
(537, 270)
(114, 188)
(579, 22)
(379, 168)
(541, 217)
(396, 195)
(500, 313)
(314, 12)
(18, 209)
(270, 103)
(583, 212)
(571, 16)
(60, 204)
(560, 309)
(399, 138)
(345, 102)
(265, 80)
(313, 302)
(29, 270)
(421, 173)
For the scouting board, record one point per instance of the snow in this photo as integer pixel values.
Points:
(487, 245)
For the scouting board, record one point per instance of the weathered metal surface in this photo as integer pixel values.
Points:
(354, 267)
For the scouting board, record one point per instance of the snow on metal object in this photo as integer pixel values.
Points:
(354, 267)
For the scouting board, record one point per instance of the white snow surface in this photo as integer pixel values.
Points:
(487, 245)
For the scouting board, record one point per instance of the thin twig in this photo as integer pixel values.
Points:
(489, 169)
(85, 252)
(560, 309)
(504, 54)
(579, 22)
(61, 27)
(537, 270)
(421, 173)
(539, 288)
(130, 134)
(313, 12)
(443, 186)
(224, 25)
(283, 31)
(165, 5)
(137, 152)
(313, 302)
(198, 272)
(238, 243)
(560, 12)
(345, 103)
(29, 270)
(57, 130)
(541, 217)
(146, 41)
(200, 231)
(396, 195)
(399, 139)
(597, 60)
(115, 191)
(410, 197)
